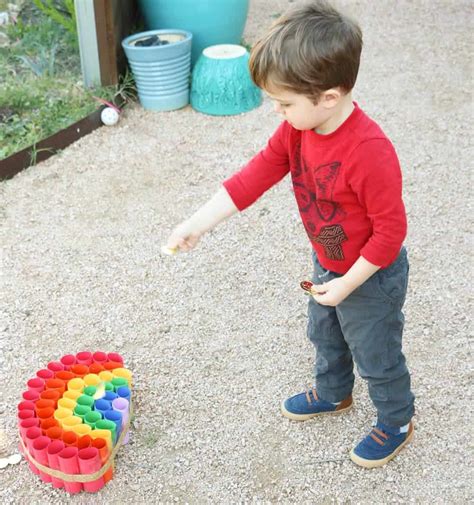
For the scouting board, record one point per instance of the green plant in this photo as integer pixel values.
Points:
(62, 12)
(43, 64)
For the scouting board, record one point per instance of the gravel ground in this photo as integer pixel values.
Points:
(216, 338)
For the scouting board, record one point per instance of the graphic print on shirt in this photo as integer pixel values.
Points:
(319, 205)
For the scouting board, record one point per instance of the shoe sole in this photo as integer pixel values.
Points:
(306, 417)
(375, 463)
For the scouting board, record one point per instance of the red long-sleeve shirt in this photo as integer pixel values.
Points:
(347, 184)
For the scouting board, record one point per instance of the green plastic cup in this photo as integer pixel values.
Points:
(119, 382)
(82, 410)
(105, 424)
(88, 401)
(90, 390)
(109, 386)
(92, 418)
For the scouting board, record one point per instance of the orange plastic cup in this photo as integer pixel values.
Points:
(44, 404)
(64, 375)
(48, 423)
(56, 384)
(80, 370)
(95, 368)
(70, 438)
(104, 452)
(111, 365)
(54, 433)
(45, 413)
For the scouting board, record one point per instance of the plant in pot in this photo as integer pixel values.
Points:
(160, 61)
(210, 21)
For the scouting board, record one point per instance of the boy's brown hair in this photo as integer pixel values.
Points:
(308, 50)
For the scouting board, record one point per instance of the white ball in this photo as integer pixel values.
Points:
(109, 116)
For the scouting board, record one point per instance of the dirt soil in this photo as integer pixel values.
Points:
(216, 338)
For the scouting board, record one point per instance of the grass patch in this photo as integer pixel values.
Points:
(42, 89)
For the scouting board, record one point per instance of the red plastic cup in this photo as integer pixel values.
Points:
(84, 358)
(104, 452)
(68, 463)
(56, 384)
(65, 375)
(54, 448)
(70, 438)
(31, 435)
(55, 433)
(114, 356)
(95, 368)
(48, 423)
(100, 357)
(111, 365)
(26, 414)
(45, 373)
(30, 396)
(40, 453)
(55, 366)
(68, 360)
(35, 384)
(79, 370)
(25, 424)
(26, 405)
(90, 462)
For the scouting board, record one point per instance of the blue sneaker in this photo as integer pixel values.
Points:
(380, 446)
(306, 405)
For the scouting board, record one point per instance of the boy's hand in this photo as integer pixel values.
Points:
(333, 292)
(184, 237)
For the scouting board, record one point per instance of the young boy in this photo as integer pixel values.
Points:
(348, 188)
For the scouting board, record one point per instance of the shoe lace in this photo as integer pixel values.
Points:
(308, 392)
(376, 433)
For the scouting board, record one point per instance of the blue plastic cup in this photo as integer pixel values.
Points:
(110, 396)
(124, 392)
(102, 406)
(116, 417)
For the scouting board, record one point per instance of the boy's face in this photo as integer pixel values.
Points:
(300, 111)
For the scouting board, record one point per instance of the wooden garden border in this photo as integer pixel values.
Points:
(26, 158)
(113, 22)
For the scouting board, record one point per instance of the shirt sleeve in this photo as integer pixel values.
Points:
(377, 180)
(263, 171)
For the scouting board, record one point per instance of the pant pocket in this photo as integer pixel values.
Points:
(392, 282)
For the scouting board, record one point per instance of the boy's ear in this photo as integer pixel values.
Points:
(331, 97)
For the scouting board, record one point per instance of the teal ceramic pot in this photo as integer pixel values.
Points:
(221, 84)
(161, 72)
(210, 21)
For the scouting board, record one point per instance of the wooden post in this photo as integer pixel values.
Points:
(101, 27)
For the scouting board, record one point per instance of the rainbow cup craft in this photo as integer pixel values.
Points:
(73, 418)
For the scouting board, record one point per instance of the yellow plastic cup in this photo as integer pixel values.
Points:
(68, 423)
(66, 403)
(76, 384)
(81, 429)
(106, 376)
(106, 434)
(72, 394)
(62, 413)
(91, 379)
(125, 373)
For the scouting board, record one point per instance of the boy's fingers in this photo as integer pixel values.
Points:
(318, 289)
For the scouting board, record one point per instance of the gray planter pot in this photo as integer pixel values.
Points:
(161, 72)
